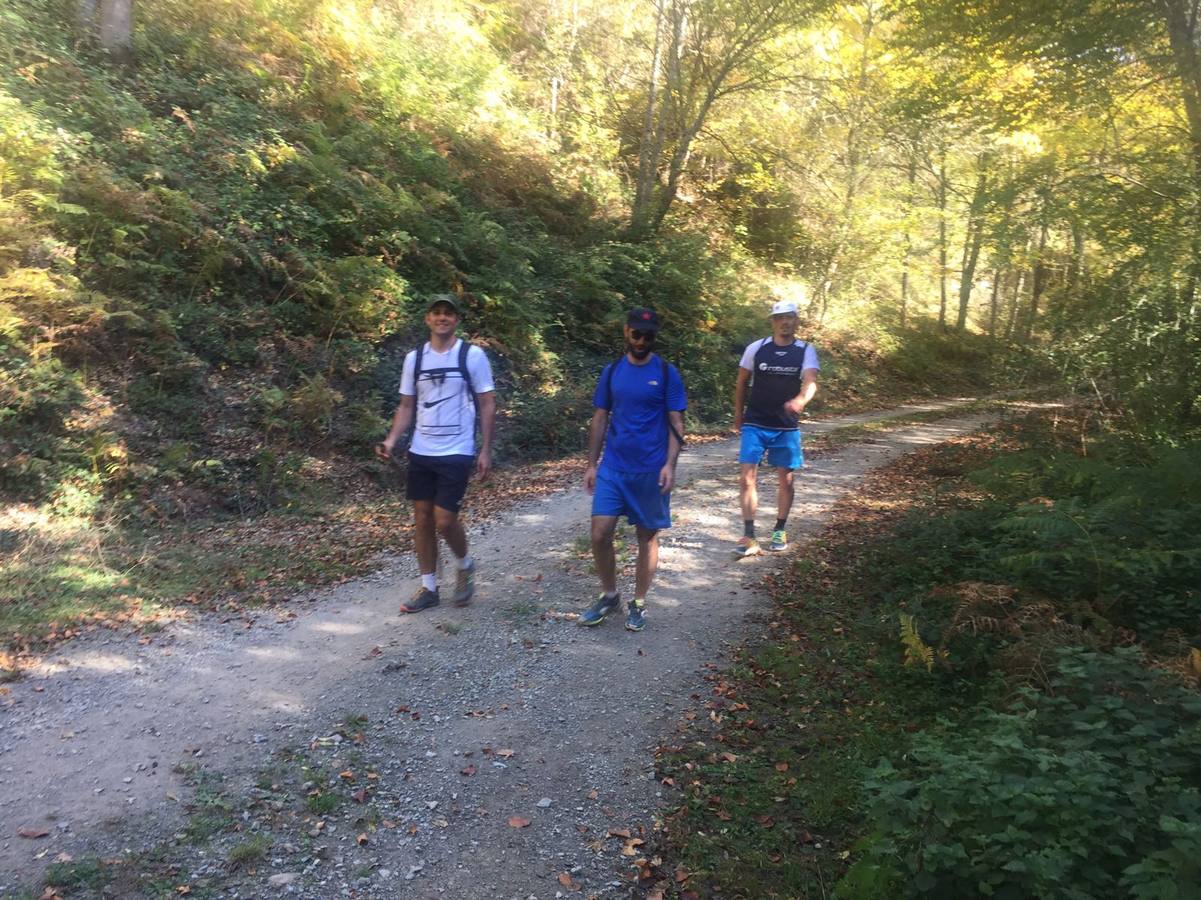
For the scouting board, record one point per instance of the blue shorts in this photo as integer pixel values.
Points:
(783, 447)
(635, 495)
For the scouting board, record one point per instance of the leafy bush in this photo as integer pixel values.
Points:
(1091, 789)
(1113, 536)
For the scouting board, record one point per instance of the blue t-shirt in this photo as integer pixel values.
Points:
(637, 436)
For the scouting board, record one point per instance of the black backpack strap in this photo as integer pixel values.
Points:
(667, 412)
(464, 349)
(417, 367)
(609, 369)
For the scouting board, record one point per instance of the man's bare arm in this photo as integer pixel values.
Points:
(486, 404)
(596, 440)
(401, 420)
(744, 377)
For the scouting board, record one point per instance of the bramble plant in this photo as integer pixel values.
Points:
(1089, 789)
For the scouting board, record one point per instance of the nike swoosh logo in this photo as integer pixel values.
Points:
(428, 403)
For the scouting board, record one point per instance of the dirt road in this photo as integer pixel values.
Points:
(458, 724)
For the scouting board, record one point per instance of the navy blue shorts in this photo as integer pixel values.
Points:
(442, 479)
(635, 495)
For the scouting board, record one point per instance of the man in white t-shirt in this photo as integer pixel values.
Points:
(442, 385)
(777, 377)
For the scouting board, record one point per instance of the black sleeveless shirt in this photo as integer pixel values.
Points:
(775, 379)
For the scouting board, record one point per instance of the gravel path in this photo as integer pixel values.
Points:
(468, 718)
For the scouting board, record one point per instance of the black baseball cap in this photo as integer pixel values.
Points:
(643, 319)
(449, 299)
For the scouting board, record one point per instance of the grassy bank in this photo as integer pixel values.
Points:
(956, 680)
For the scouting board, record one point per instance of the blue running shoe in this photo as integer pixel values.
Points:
(636, 618)
(595, 614)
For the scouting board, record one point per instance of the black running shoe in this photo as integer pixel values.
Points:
(423, 599)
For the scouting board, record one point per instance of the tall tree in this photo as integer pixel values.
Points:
(706, 52)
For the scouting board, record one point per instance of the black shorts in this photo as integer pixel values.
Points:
(442, 479)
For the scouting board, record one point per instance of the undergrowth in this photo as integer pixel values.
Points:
(982, 683)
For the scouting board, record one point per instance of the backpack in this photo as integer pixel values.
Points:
(609, 388)
(464, 348)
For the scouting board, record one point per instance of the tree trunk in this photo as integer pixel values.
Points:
(85, 16)
(1038, 277)
(994, 302)
(912, 178)
(971, 253)
(1014, 305)
(942, 239)
(116, 28)
(650, 145)
(1181, 18)
(971, 243)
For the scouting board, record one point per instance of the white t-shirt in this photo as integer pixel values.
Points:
(748, 356)
(445, 413)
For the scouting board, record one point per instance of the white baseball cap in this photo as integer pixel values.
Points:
(783, 308)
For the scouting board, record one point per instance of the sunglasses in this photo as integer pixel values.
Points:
(639, 335)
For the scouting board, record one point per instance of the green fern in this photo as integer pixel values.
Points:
(917, 651)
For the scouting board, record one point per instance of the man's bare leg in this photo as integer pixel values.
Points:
(603, 553)
(451, 529)
(648, 561)
(748, 490)
(748, 497)
(785, 492)
(425, 540)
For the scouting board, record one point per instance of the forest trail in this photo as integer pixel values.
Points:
(468, 718)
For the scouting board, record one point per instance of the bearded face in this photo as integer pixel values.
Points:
(639, 342)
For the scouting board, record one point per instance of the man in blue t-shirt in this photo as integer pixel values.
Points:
(781, 372)
(639, 421)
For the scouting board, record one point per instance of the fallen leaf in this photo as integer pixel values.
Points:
(347, 775)
(592, 795)
(628, 848)
(467, 770)
(518, 822)
(619, 832)
(361, 840)
(681, 875)
(566, 880)
(505, 754)
(26, 832)
(359, 796)
(729, 757)
(781, 767)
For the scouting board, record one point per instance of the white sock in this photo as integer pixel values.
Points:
(430, 582)
(464, 563)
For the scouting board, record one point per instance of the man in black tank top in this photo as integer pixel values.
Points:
(781, 372)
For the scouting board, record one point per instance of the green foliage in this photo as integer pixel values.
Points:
(1090, 789)
(1112, 537)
